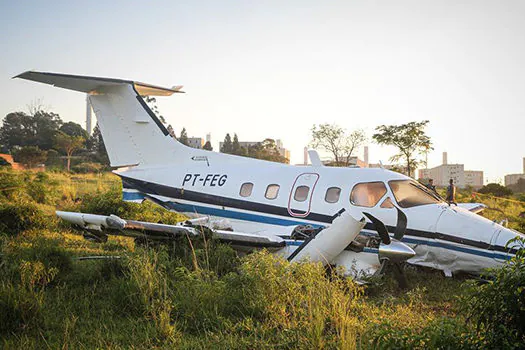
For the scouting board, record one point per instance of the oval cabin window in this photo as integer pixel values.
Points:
(332, 195)
(246, 189)
(301, 193)
(272, 191)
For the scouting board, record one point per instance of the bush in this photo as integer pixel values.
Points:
(12, 184)
(19, 216)
(84, 168)
(42, 189)
(110, 202)
(496, 190)
(498, 306)
(441, 333)
(34, 246)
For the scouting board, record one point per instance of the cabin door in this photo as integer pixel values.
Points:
(300, 200)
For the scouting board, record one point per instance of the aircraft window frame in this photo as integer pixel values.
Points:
(370, 204)
(328, 191)
(387, 203)
(304, 197)
(248, 192)
(431, 198)
(268, 188)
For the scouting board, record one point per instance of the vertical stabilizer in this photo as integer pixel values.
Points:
(132, 133)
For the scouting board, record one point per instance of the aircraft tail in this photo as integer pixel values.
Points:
(132, 133)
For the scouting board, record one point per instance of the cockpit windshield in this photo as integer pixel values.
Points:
(412, 194)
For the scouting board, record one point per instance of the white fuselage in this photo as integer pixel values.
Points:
(444, 237)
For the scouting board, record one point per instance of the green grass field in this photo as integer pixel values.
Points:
(198, 296)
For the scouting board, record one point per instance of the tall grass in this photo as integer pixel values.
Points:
(194, 292)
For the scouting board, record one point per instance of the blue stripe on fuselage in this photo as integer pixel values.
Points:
(232, 214)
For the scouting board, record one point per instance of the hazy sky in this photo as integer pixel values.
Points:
(273, 69)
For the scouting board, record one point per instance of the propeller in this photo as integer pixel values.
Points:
(392, 250)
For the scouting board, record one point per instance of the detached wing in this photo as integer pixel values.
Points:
(113, 225)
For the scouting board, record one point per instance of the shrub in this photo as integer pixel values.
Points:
(441, 333)
(42, 189)
(498, 306)
(496, 190)
(19, 216)
(12, 184)
(84, 168)
(110, 202)
(33, 246)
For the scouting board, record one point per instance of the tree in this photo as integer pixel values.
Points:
(266, 150)
(45, 125)
(183, 137)
(73, 129)
(495, 190)
(68, 144)
(207, 146)
(335, 140)
(410, 139)
(30, 156)
(227, 146)
(20, 129)
(171, 131)
(236, 147)
(96, 146)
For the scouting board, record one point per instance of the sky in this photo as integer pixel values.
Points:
(273, 69)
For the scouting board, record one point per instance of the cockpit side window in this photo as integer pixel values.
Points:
(367, 194)
(410, 194)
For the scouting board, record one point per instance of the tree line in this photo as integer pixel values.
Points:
(266, 150)
(42, 137)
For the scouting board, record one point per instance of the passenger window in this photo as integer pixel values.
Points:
(272, 191)
(301, 193)
(246, 189)
(332, 195)
(387, 203)
(367, 194)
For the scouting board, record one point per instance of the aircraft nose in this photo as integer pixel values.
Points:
(396, 251)
(503, 235)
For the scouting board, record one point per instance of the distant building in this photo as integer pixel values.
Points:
(512, 179)
(196, 142)
(89, 126)
(444, 172)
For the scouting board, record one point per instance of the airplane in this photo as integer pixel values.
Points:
(357, 218)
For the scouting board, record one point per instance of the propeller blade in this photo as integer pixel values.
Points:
(380, 228)
(401, 225)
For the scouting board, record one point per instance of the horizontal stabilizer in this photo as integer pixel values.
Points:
(92, 85)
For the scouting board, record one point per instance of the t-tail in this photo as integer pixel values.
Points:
(132, 133)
